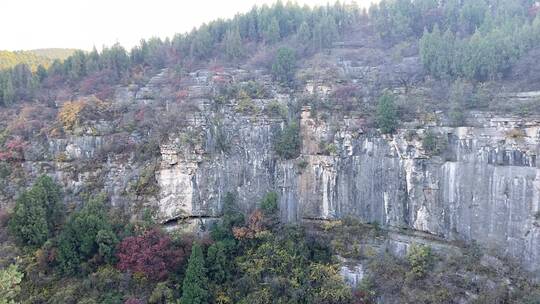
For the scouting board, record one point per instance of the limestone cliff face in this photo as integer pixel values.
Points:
(483, 184)
(483, 187)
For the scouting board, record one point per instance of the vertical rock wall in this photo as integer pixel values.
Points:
(485, 188)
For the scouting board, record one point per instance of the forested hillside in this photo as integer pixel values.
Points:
(53, 53)
(475, 40)
(291, 154)
(33, 58)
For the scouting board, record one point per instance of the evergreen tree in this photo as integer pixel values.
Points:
(219, 264)
(269, 204)
(325, 33)
(7, 92)
(272, 32)
(86, 233)
(303, 34)
(287, 142)
(76, 65)
(50, 195)
(284, 66)
(194, 287)
(232, 217)
(41, 73)
(29, 221)
(92, 62)
(386, 114)
(201, 45)
(37, 212)
(233, 43)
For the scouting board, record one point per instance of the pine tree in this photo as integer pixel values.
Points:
(41, 73)
(303, 34)
(271, 34)
(233, 43)
(37, 213)
(86, 233)
(386, 113)
(8, 91)
(201, 45)
(284, 66)
(219, 269)
(29, 222)
(51, 198)
(194, 288)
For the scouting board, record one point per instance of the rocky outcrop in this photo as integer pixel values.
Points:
(484, 186)
(481, 184)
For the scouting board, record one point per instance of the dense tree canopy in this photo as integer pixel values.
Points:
(152, 254)
(88, 72)
(38, 212)
(87, 232)
(472, 39)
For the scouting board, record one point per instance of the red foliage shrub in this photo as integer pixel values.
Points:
(13, 150)
(98, 84)
(255, 224)
(182, 95)
(31, 120)
(151, 254)
(5, 156)
(133, 301)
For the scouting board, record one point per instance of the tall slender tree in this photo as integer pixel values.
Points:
(194, 288)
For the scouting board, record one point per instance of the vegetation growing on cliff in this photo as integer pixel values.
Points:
(97, 259)
(92, 253)
(387, 117)
(287, 141)
(95, 72)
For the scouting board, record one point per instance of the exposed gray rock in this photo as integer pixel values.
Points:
(484, 185)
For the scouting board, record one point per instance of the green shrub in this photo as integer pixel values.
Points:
(429, 142)
(457, 117)
(269, 203)
(328, 148)
(161, 294)
(386, 117)
(255, 90)
(302, 164)
(420, 260)
(5, 170)
(276, 109)
(433, 144)
(287, 142)
(246, 105)
(10, 280)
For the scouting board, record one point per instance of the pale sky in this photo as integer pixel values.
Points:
(32, 24)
